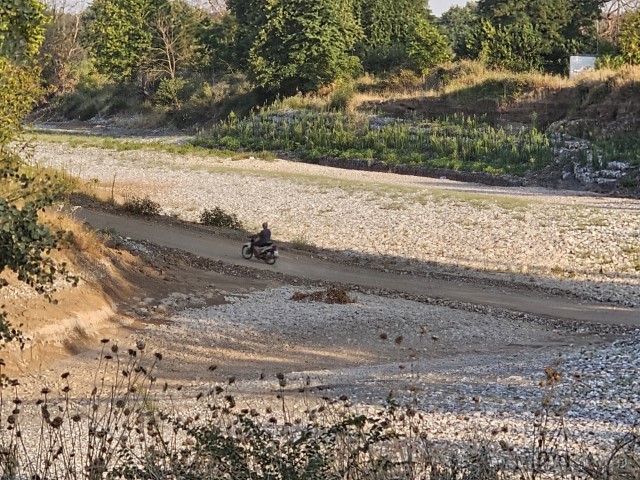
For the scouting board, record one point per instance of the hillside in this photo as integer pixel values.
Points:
(473, 124)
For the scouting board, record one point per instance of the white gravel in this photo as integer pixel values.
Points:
(586, 244)
(479, 374)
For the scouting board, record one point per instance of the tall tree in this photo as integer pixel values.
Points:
(461, 26)
(251, 16)
(119, 36)
(217, 39)
(629, 37)
(175, 45)
(395, 28)
(62, 53)
(304, 45)
(552, 29)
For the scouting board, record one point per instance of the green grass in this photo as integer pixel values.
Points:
(456, 143)
(123, 144)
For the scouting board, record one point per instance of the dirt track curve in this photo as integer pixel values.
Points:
(219, 248)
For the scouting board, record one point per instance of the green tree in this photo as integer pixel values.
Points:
(460, 25)
(515, 46)
(629, 37)
(304, 45)
(118, 36)
(217, 39)
(428, 47)
(551, 29)
(397, 33)
(21, 28)
(24, 240)
(250, 16)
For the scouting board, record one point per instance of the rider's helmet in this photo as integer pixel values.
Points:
(265, 225)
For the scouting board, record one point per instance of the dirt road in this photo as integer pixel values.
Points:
(219, 248)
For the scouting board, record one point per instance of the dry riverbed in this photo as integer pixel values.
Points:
(470, 373)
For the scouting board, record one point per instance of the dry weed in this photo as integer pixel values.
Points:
(331, 295)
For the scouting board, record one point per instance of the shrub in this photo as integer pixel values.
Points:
(141, 206)
(341, 96)
(172, 92)
(219, 218)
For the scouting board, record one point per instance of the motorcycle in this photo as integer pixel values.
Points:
(269, 253)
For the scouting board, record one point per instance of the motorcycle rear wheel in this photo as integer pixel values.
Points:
(247, 252)
(269, 258)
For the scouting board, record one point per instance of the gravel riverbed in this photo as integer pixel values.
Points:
(468, 373)
(585, 244)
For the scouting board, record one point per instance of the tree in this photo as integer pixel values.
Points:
(118, 36)
(514, 46)
(304, 45)
(21, 28)
(24, 240)
(629, 37)
(251, 16)
(460, 25)
(174, 43)
(428, 47)
(392, 29)
(613, 12)
(552, 29)
(217, 40)
(61, 53)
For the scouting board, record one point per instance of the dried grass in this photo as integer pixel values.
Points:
(331, 295)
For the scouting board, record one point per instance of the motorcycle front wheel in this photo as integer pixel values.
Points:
(270, 259)
(247, 252)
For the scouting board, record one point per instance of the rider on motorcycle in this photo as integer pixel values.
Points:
(263, 238)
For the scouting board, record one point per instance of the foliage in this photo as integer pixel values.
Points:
(175, 47)
(544, 32)
(118, 36)
(458, 142)
(385, 22)
(21, 28)
(513, 47)
(304, 45)
(629, 38)
(212, 101)
(385, 58)
(135, 427)
(250, 17)
(612, 62)
(398, 34)
(460, 26)
(62, 55)
(24, 241)
(141, 206)
(96, 95)
(217, 40)
(428, 48)
(217, 217)
(172, 92)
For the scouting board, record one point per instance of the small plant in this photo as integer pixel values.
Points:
(219, 218)
(301, 242)
(141, 206)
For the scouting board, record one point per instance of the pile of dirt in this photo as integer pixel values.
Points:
(331, 295)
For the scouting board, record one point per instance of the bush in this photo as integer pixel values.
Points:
(219, 218)
(172, 92)
(141, 206)
(93, 96)
(341, 96)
